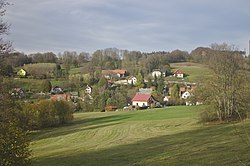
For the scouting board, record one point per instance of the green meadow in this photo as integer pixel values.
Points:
(34, 84)
(194, 71)
(165, 136)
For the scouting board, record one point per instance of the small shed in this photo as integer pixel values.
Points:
(110, 108)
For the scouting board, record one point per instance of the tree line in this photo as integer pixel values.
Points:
(226, 92)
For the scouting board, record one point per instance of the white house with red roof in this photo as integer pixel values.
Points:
(143, 100)
(178, 74)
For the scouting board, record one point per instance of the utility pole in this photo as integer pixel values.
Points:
(249, 48)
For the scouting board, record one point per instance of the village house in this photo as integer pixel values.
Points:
(158, 73)
(167, 98)
(132, 80)
(109, 74)
(143, 100)
(18, 92)
(182, 90)
(178, 74)
(88, 90)
(57, 90)
(185, 95)
(21, 73)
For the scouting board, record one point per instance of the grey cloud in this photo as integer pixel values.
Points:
(87, 25)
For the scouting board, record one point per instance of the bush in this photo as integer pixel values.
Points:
(64, 111)
(47, 114)
(31, 116)
(208, 115)
(46, 86)
(175, 102)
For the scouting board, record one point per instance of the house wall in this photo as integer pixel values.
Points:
(156, 73)
(132, 80)
(21, 72)
(179, 75)
(88, 90)
(185, 95)
(140, 103)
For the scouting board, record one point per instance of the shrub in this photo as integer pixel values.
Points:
(64, 111)
(47, 113)
(208, 115)
(31, 116)
(46, 86)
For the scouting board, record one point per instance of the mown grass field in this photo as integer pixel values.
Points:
(79, 70)
(33, 84)
(195, 71)
(166, 136)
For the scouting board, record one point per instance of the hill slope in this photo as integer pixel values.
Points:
(195, 71)
(168, 136)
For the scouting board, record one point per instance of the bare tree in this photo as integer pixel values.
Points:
(224, 47)
(5, 47)
(13, 134)
(227, 92)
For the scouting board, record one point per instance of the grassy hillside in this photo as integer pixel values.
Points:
(34, 84)
(167, 136)
(79, 70)
(195, 71)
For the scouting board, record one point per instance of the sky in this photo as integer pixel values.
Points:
(140, 25)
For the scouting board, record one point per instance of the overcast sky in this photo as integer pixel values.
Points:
(142, 25)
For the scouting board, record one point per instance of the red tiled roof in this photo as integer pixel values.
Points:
(178, 72)
(59, 97)
(141, 97)
(110, 108)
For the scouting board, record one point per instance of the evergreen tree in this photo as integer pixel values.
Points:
(155, 81)
(175, 92)
(160, 84)
(46, 86)
(149, 83)
(140, 80)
